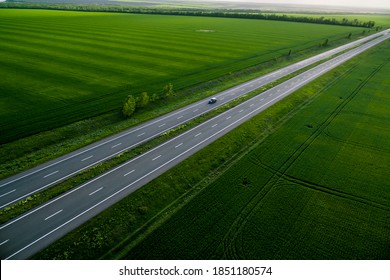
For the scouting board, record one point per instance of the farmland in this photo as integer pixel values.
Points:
(306, 179)
(317, 188)
(60, 67)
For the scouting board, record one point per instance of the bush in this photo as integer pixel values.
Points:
(129, 106)
(168, 90)
(143, 100)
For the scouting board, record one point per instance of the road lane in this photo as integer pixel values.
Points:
(36, 179)
(33, 231)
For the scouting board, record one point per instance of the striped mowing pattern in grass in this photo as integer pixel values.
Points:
(57, 67)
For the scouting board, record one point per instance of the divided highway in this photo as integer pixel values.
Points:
(29, 233)
(36, 179)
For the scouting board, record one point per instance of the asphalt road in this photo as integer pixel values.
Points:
(36, 179)
(31, 232)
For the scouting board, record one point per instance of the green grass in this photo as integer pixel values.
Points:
(315, 188)
(30, 151)
(59, 67)
(19, 162)
(39, 198)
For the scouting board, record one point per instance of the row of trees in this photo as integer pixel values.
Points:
(131, 103)
(251, 14)
(278, 17)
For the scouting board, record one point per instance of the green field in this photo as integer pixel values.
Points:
(58, 67)
(305, 179)
(317, 188)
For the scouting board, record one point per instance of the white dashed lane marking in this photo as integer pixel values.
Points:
(48, 175)
(2, 243)
(129, 172)
(87, 158)
(51, 216)
(156, 157)
(177, 146)
(116, 145)
(96, 191)
(7, 193)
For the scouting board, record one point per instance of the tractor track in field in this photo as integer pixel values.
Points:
(341, 194)
(322, 188)
(228, 248)
(379, 120)
(356, 144)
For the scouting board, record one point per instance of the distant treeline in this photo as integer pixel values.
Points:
(249, 14)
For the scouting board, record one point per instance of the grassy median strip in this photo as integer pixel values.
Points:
(34, 200)
(132, 220)
(81, 80)
(316, 188)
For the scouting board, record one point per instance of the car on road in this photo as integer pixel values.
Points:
(212, 100)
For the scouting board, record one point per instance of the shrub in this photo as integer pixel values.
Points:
(129, 106)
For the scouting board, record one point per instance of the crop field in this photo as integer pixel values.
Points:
(58, 67)
(316, 188)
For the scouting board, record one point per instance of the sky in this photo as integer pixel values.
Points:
(353, 3)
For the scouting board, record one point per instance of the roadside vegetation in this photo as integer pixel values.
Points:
(53, 101)
(306, 179)
(28, 203)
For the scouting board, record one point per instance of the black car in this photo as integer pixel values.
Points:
(212, 100)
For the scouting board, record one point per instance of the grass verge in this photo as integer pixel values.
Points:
(316, 188)
(39, 198)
